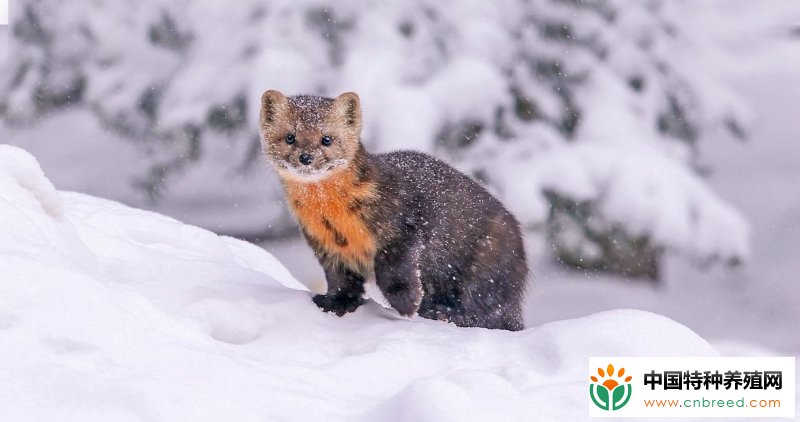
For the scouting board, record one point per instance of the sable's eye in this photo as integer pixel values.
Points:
(327, 140)
(290, 138)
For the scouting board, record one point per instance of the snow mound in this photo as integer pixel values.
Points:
(112, 313)
(20, 168)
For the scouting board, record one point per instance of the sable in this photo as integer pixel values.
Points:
(337, 237)
(438, 244)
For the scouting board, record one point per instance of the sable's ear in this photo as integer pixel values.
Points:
(347, 108)
(272, 103)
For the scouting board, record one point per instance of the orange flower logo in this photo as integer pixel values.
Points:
(610, 391)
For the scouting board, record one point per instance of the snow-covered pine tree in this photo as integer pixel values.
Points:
(583, 116)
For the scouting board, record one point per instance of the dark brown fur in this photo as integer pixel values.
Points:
(438, 244)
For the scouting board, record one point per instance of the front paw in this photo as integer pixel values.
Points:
(338, 304)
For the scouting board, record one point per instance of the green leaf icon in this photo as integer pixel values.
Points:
(602, 393)
(618, 394)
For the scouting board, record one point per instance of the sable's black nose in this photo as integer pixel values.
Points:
(306, 159)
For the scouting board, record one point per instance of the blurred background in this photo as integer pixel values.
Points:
(650, 149)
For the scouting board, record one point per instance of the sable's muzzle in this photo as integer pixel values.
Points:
(306, 159)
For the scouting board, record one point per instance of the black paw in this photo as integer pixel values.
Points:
(338, 304)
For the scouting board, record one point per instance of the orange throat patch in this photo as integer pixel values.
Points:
(329, 212)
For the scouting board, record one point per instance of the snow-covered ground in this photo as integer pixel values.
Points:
(113, 313)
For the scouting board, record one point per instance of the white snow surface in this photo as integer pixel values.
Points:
(113, 313)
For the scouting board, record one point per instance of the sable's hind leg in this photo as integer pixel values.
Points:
(488, 296)
(491, 296)
(480, 310)
(397, 275)
(345, 291)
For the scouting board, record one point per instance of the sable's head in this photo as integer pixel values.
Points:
(307, 137)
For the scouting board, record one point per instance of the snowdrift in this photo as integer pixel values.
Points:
(109, 313)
